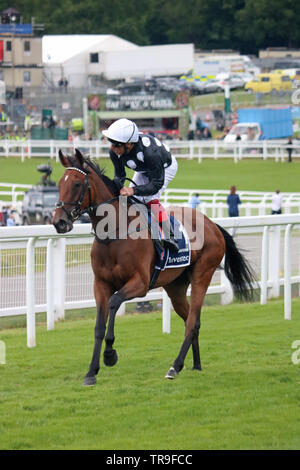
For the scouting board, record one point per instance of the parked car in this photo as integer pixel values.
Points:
(39, 202)
(212, 86)
(245, 131)
(39, 205)
(234, 81)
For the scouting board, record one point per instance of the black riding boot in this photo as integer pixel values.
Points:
(168, 235)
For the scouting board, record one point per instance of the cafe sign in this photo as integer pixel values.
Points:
(135, 102)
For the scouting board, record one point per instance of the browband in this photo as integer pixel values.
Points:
(77, 169)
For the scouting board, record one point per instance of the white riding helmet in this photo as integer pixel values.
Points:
(122, 130)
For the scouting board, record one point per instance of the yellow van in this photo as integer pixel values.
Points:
(268, 82)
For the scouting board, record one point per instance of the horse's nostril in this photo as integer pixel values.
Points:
(61, 226)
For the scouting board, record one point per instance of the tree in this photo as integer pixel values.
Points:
(262, 24)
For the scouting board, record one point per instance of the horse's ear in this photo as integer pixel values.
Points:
(63, 160)
(79, 156)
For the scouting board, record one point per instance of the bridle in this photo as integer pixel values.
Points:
(76, 212)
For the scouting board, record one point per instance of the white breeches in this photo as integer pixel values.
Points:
(141, 178)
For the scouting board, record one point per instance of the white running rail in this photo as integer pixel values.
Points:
(44, 272)
(213, 201)
(274, 149)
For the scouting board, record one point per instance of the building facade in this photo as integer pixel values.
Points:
(21, 62)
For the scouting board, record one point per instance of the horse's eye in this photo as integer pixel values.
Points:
(77, 185)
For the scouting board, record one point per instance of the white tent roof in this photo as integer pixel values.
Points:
(59, 48)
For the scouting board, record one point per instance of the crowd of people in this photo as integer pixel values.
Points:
(9, 216)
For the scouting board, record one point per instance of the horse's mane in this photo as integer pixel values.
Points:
(99, 171)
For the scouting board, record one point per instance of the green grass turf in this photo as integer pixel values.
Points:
(251, 175)
(246, 397)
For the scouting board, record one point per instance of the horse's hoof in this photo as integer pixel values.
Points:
(171, 374)
(199, 368)
(110, 358)
(89, 381)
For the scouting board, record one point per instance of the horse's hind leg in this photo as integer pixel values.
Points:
(201, 278)
(177, 292)
(195, 345)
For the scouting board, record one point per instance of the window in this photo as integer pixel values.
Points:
(265, 79)
(26, 77)
(26, 46)
(8, 46)
(94, 58)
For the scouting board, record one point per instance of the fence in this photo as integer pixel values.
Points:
(44, 272)
(12, 193)
(213, 202)
(190, 149)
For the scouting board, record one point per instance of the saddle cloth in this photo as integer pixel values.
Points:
(168, 258)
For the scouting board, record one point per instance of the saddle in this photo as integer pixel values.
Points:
(166, 257)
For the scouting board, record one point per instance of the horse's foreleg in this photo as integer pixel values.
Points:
(101, 296)
(90, 378)
(110, 356)
(133, 288)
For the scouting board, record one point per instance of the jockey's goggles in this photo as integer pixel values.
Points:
(115, 143)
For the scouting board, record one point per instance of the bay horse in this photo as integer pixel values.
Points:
(123, 266)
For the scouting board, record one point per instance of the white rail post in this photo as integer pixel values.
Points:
(264, 147)
(52, 151)
(235, 155)
(30, 293)
(50, 285)
(216, 149)
(274, 261)
(29, 148)
(59, 263)
(199, 153)
(287, 274)
(166, 312)
(122, 309)
(264, 266)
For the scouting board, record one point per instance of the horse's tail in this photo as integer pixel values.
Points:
(237, 269)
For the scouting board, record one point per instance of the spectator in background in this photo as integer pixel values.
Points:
(233, 201)
(51, 123)
(10, 222)
(206, 134)
(65, 83)
(276, 202)
(191, 135)
(2, 222)
(290, 149)
(4, 215)
(60, 84)
(194, 201)
(198, 135)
